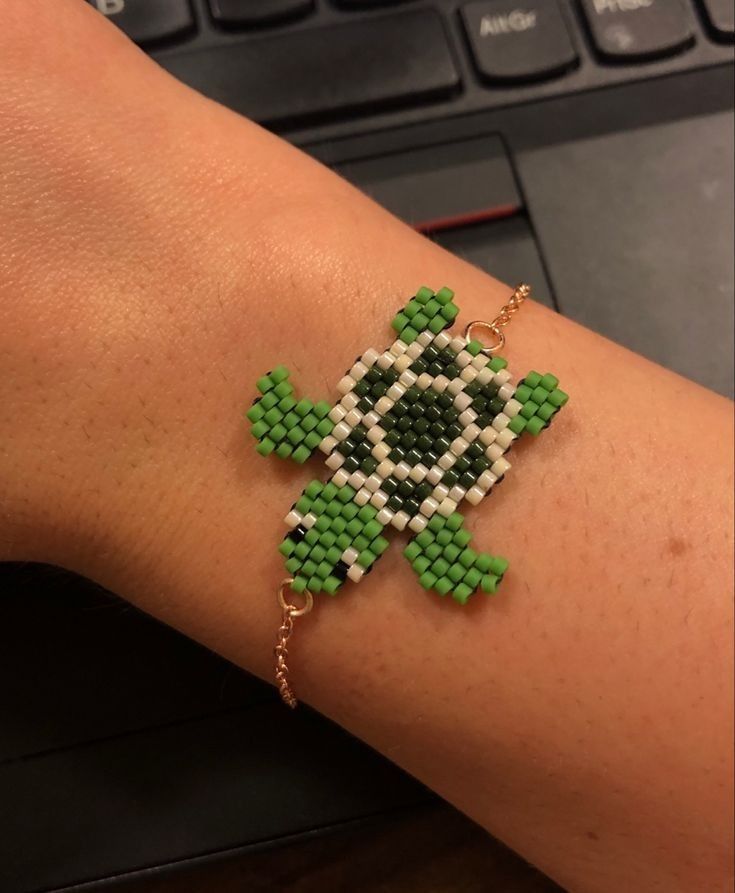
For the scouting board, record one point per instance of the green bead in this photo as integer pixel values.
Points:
(440, 567)
(533, 379)
(265, 447)
(400, 322)
(424, 294)
(444, 295)
(366, 558)
(372, 529)
(302, 550)
(331, 585)
(449, 311)
(421, 564)
(474, 347)
(452, 552)
(462, 538)
(292, 565)
(529, 408)
(549, 381)
(523, 393)
(279, 374)
(367, 513)
(286, 404)
(455, 573)
(428, 580)
(361, 542)
(411, 309)
(344, 541)
(346, 494)
(255, 413)
(286, 547)
(444, 537)
(436, 324)
(260, 429)
(315, 584)
(498, 566)
(308, 567)
(467, 558)
(318, 553)
(311, 537)
(558, 398)
(296, 435)
(443, 585)
(334, 553)
(319, 505)
(303, 504)
(546, 411)
(290, 419)
(327, 539)
(330, 491)
(455, 521)
(535, 426)
(472, 578)
(323, 571)
(313, 489)
(436, 523)
(483, 562)
(299, 584)
(349, 511)
(420, 322)
(284, 389)
(517, 424)
(303, 407)
(489, 583)
(309, 422)
(462, 593)
(264, 384)
(497, 363)
(269, 400)
(424, 539)
(379, 545)
(322, 409)
(354, 527)
(278, 432)
(409, 335)
(412, 551)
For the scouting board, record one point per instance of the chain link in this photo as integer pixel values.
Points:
(280, 652)
(503, 319)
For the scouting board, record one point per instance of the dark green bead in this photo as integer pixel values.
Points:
(467, 479)
(346, 447)
(446, 401)
(450, 415)
(452, 371)
(361, 388)
(424, 443)
(419, 366)
(412, 395)
(453, 431)
(388, 421)
(395, 503)
(423, 490)
(369, 465)
(389, 486)
(433, 414)
(396, 455)
(400, 408)
(351, 464)
(379, 389)
(473, 388)
(366, 404)
(437, 429)
(363, 450)
(462, 464)
(372, 375)
(435, 369)
(442, 444)
(411, 507)
(474, 451)
(405, 424)
(408, 440)
(429, 397)
(414, 456)
(392, 438)
(405, 488)
(421, 426)
(480, 464)
(359, 433)
(450, 478)
(417, 410)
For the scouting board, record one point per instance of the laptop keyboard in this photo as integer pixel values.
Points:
(294, 63)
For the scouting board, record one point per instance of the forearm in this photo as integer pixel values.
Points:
(579, 713)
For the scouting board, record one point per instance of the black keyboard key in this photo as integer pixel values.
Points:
(299, 76)
(720, 18)
(638, 30)
(246, 13)
(514, 44)
(148, 21)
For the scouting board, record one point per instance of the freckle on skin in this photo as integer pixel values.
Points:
(676, 546)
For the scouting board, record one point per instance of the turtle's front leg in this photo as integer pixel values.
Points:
(442, 558)
(290, 428)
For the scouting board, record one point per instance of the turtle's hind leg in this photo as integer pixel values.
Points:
(442, 558)
(284, 425)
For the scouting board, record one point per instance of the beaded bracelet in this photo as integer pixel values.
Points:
(419, 428)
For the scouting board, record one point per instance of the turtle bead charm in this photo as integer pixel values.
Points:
(419, 428)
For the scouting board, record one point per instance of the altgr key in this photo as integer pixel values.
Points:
(516, 43)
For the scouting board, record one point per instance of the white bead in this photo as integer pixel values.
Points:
(485, 375)
(380, 451)
(506, 391)
(441, 340)
(446, 460)
(398, 348)
(373, 482)
(335, 460)
(467, 417)
(384, 517)
(458, 446)
(346, 384)
(441, 491)
(463, 359)
(395, 392)
(419, 472)
(337, 413)
(378, 499)
(512, 408)
(349, 556)
(350, 401)
(505, 438)
(328, 443)
(386, 360)
(462, 401)
(362, 497)
(408, 378)
(471, 432)
(383, 404)
(455, 386)
(501, 421)
(418, 523)
(486, 480)
(353, 417)
(457, 493)
(355, 573)
(441, 383)
(468, 374)
(357, 480)
(309, 520)
(499, 467)
(400, 519)
(340, 477)
(424, 381)
(429, 506)
(385, 468)
(457, 344)
(414, 350)
(358, 370)
(435, 475)
(370, 356)
(293, 518)
(376, 434)
(502, 376)
(401, 471)
(447, 507)
(474, 495)
(480, 361)
(341, 431)
(425, 338)
(494, 452)
(370, 418)
(402, 363)
(488, 435)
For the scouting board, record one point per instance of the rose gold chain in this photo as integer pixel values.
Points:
(289, 612)
(504, 317)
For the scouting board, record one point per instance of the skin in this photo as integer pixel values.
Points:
(158, 253)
